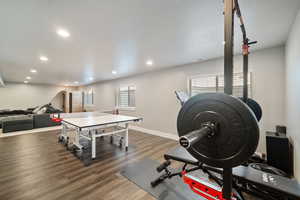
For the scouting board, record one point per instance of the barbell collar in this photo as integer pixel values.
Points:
(207, 130)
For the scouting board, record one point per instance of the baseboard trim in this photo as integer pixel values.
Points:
(155, 132)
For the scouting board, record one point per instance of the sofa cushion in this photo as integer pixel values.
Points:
(36, 109)
(17, 123)
(42, 111)
(2, 118)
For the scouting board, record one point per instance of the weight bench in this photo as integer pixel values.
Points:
(245, 179)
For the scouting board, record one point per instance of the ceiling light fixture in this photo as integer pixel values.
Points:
(25, 82)
(33, 71)
(28, 78)
(91, 78)
(149, 62)
(76, 82)
(44, 58)
(114, 72)
(63, 33)
(223, 42)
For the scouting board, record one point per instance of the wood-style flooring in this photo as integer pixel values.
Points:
(35, 166)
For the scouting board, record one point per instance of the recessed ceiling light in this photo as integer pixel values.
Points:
(149, 62)
(114, 72)
(63, 33)
(44, 58)
(91, 78)
(76, 82)
(25, 82)
(33, 71)
(28, 78)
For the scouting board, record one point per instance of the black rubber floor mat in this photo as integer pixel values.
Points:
(143, 172)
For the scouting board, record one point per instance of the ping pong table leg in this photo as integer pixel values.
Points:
(63, 131)
(62, 138)
(93, 144)
(77, 137)
(126, 137)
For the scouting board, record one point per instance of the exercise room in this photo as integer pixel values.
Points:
(150, 100)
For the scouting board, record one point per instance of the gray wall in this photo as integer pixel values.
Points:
(293, 90)
(21, 96)
(156, 102)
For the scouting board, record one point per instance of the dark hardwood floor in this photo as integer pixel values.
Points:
(35, 166)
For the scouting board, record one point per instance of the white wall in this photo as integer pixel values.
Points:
(293, 90)
(157, 104)
(22, 96)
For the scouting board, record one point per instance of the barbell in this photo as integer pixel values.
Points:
(218, 129)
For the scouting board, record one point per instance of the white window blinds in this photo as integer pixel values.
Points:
(215, 83)
(88, 97)
(238, 84)
(203, 84)
(126, 97)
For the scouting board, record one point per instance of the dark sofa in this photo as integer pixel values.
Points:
(17, 120)
(26, 122)
(15, 112)
(43, 120)
(17, 123)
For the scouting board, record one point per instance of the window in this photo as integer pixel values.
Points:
(202, 84)
(126, 97)
(238, 84)
(88, 97)
(215, 83)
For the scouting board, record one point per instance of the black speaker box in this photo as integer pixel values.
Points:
(280, 152)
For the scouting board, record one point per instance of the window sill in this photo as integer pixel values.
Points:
(127, 108)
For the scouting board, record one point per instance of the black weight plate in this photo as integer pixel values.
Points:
(255, 107)
(238, 132)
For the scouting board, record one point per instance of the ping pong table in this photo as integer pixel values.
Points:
(91, 125)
